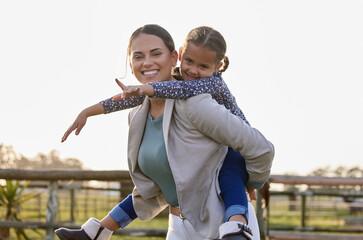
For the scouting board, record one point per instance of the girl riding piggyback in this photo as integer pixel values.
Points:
(202, 60)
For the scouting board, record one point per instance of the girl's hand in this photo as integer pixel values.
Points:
(77, 125)
(133, 90)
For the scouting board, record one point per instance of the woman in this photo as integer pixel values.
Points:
(190, 137)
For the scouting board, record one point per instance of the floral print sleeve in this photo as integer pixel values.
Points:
(213, 85)
(112, 106)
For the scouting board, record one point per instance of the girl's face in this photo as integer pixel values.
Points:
(197, 62)
(150, 59)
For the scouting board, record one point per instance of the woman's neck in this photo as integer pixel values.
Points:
(156, 107)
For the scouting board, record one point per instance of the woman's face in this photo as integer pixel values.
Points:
(150, 59)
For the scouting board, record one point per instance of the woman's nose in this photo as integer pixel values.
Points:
(148, 61)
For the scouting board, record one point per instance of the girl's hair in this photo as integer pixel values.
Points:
(156, 30)
(208, 37)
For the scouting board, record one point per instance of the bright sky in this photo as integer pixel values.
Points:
(295, 70)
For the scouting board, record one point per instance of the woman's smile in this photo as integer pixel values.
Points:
(151, 60)
(150, 73)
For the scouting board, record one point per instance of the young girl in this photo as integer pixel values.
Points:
(200, 56)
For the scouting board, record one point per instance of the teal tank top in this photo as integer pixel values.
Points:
(153, 161)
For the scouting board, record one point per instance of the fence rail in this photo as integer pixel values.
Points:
(321, 181)
(124, 179)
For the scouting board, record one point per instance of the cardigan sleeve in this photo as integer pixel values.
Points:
(149, 208)
(225, 128)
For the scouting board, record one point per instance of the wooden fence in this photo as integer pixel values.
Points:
(53, 176)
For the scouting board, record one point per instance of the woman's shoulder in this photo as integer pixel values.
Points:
(198, 105)
(204, 98)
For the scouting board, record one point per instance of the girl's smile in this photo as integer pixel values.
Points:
(197, 62)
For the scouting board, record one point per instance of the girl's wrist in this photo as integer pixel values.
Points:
(148, 90)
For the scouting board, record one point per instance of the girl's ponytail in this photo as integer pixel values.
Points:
(176, 73)
(225, 64)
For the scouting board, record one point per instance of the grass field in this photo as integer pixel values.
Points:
(321, 212)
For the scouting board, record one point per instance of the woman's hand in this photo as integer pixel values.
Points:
(81, 119)
(77, 125)
(133, 90)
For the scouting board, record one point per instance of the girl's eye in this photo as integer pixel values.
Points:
(188, 60)
(204, 67)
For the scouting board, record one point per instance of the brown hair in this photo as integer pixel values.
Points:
(156, 30)
(210, 38)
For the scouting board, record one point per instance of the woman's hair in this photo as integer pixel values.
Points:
(156, 30)
(209, 38)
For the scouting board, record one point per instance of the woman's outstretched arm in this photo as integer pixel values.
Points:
(105, 106)
(81, 119)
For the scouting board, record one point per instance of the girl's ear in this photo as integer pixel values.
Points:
(218, 66)
(180, 53)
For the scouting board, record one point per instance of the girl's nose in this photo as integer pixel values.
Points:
(193, 70)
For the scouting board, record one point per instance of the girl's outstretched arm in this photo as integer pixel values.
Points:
(116, 103)
(214, 85)
(182, 90)
(133, 91)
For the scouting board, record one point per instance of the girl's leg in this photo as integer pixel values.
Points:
(237, 231)
(232, 178)
(120, 216)
(91, 229)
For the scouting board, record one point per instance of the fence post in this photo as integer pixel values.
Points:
(39, 206)
(73, 204)
(86, 203)
(52, 209)
(303, 208)
(260, 218)
(121, 195)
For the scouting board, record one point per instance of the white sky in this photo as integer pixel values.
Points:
(296, 71)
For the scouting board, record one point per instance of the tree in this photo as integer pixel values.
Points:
(340, 171)
(10, 159)
(8, 156)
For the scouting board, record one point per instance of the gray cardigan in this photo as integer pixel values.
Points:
(196, 133)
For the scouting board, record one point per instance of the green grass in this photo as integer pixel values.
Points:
(324, 214)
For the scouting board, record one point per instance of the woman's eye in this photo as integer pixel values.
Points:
(137, 57)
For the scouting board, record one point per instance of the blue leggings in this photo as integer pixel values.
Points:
(232, 178)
